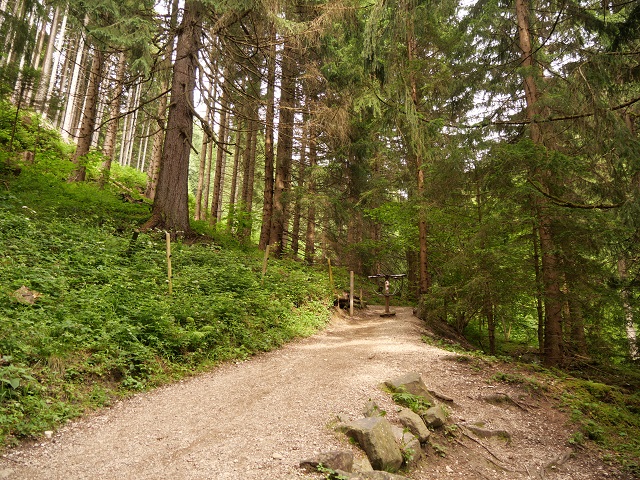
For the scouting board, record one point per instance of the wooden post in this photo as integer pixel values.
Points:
(351, 282)
(361, 299)
(169, 275)
(264, 263)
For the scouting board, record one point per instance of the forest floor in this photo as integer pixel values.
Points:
(257, 419)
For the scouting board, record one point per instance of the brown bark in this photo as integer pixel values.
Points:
(297, 209)
(40, 97)
(156, 149)
(202, 168)
(171, 204)
(282, 184)
(627, 308)
(310, 237)
(491, 320)
(234, 178)
(207, 182)
(207, 173)
(412, 273)
(551, 276)
(424, 282)
(221, 158)
(267, 203)
(88, 117)
(577, 339)
(249, 168)
(109, 145)
(539, 290)
(159, 136)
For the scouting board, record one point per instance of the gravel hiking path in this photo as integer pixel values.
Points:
(255, 420)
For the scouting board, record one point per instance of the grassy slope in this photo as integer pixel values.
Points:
(103, 324)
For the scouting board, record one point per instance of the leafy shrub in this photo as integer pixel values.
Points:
(416, 403)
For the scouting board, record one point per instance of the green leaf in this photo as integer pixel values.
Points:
(13, 382)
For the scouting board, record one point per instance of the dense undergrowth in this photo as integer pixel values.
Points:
(102, 323)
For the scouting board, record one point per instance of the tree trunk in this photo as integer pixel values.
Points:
(424, 285)
(310, 236)
(159, 135)
(109, 145)
(539, 290)
(57, 116)
(297, 209)
(491, 320)
(211, 109)
(158, 143)
(282, 186)
(207, 182)
(171, 204)
(202, 170)
(130, 126)
(577, 339)
(41, 98)
(234, 177)
(218, 183)
(551, 277)
(248, 177)
(627, 308)
(72, 91)
(89, 117)
(267, 205)
(413, 277)
(424, 282)
(249, 157)
(54, 68)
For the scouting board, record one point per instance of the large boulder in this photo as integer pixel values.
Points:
(414, 423)
(411, 383)
(375, 437)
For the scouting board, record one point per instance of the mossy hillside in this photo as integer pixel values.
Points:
(103, 323)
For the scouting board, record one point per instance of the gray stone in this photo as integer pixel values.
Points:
(371, 409)
(414, 423)
(435, 417)
(337, 460)
(362, 464)
(375, 437)
(411, 383)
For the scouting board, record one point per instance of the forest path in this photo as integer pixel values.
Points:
(255, 420)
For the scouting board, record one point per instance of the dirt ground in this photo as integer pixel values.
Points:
(255, 420)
